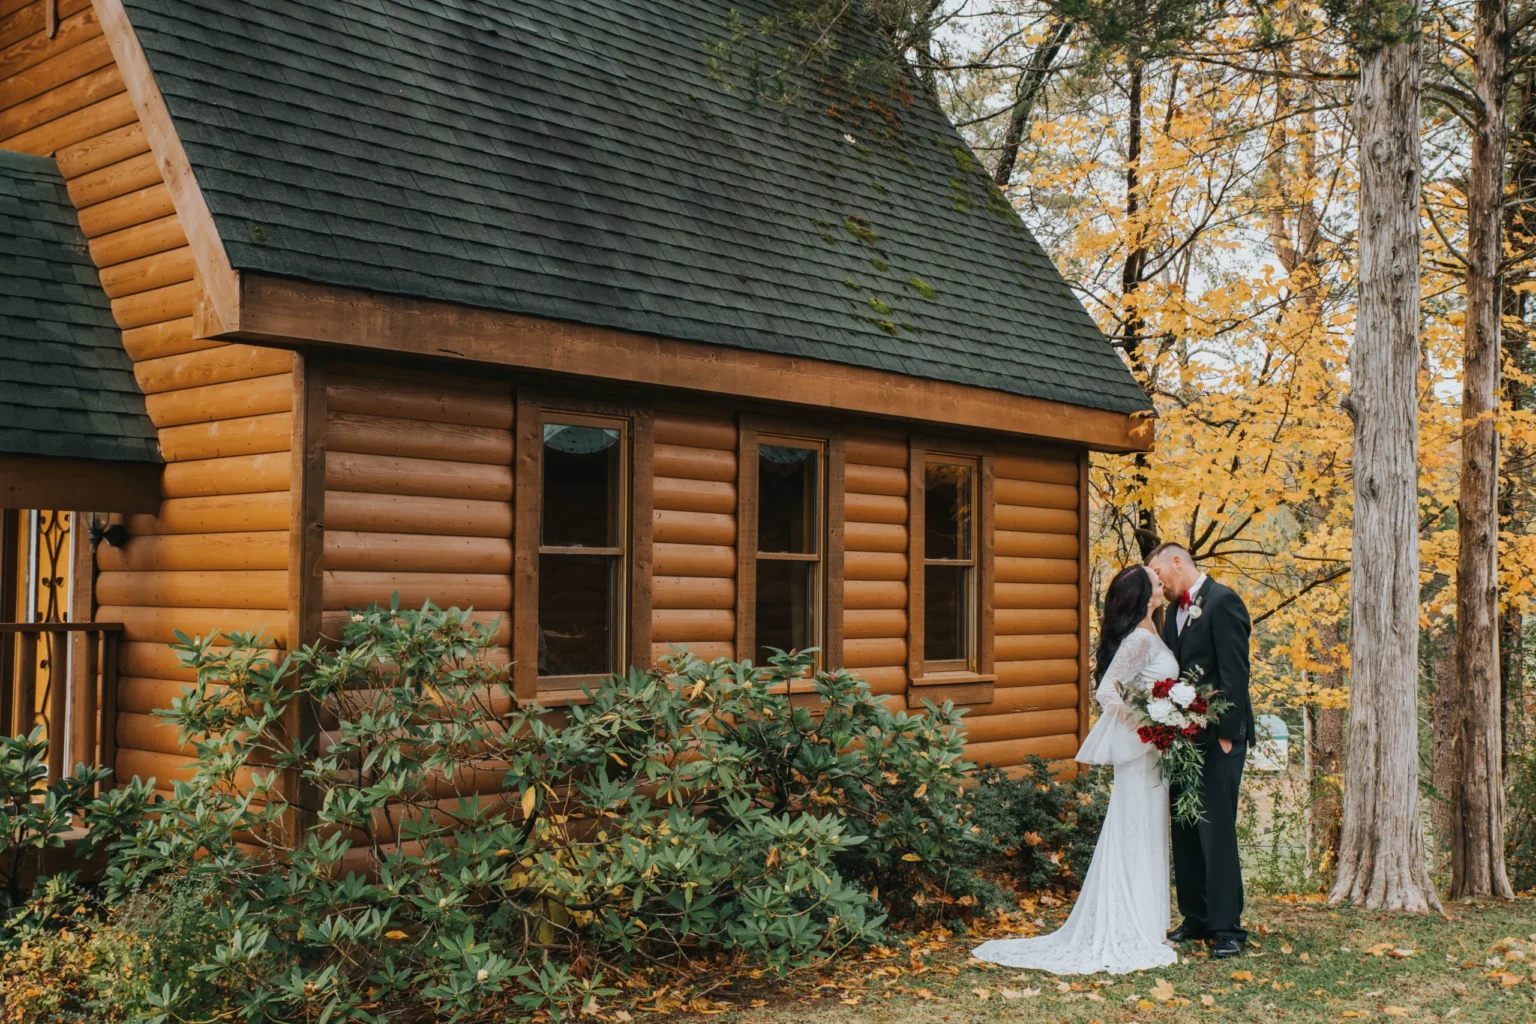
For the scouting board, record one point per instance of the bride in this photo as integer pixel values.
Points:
(1121, 916)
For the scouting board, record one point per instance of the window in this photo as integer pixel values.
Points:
(789, 546)
(949, 565)
(583, 527)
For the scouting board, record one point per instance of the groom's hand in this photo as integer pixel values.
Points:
(1226, 746)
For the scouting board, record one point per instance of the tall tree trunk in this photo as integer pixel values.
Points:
(1327, 762)
(1516, 461)
(1442, 717)
(1476, 826)
(1381, 847)
(1131, 273)
(1026, 94)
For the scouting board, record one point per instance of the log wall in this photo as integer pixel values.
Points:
(1035, 544)
(875, 563)
(693, 538)
(216, 554)
(418, 496)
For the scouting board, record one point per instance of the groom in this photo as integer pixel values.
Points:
(1207, 627)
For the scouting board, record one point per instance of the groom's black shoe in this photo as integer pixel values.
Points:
(1185, 932)
(1224, 949)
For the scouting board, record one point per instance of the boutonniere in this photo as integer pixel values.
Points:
(1193, 613)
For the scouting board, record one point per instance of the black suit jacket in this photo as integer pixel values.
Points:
(1217, 642)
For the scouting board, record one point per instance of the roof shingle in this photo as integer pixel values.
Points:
(581, 161)
(66, 385)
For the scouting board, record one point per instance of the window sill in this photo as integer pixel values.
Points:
(965, 689)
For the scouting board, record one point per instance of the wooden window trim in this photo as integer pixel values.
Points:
(637, 479)
(834, 485)
(964, 683)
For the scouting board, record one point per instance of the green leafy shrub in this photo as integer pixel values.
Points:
(34, 817)
(76, 960)
(461, 856)
(1038, 831)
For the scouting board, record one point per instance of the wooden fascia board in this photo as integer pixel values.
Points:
(100, 485)
(218, 285)
(287, 312)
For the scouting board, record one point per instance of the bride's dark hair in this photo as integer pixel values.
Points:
(1125, 605)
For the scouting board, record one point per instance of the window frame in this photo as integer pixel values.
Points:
(752, 431)
(631, 618)
(972, 681)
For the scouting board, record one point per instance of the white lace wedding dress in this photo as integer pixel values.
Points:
(1120, 921)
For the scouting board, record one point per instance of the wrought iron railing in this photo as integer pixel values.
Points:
(75, 663)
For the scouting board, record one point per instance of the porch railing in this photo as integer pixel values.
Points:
(77, 664)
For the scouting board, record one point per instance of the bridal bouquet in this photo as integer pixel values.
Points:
(1171, 716)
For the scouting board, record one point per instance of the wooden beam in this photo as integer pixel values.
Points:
(103, 485)
(286, 312)
(306, 552)
(218, 285)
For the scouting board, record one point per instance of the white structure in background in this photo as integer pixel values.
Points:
(1273, 750)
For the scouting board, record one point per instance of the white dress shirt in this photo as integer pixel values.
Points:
(1182, 614)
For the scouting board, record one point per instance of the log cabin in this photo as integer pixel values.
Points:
(545, 309)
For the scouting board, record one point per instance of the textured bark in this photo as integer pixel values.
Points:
(1516, 464)
(1381, 847)
(1442, 716)
(1476, 826)
(1327, 764)
(1147, 533)
(1026, 94)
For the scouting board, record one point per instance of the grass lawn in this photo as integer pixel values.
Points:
(1306, 962)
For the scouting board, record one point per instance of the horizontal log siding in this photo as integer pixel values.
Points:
(693, 523)
(215, 556)
(418, 496)
(1035, 710)
(875, 564)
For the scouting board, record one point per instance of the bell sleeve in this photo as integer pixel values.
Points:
(1113, 739)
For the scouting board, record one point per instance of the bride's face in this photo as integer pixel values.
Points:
(1157, 593)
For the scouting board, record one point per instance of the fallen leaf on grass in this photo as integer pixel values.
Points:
(1395, 1011)
(1162, 991)
(622, 1015)
(1379, 949)
(1207, 1001)
(1286, 949)
(1402, 954)
(1145, 1004)
(982, 993)
(1063, 987)
(1242, 975)
(1094, 997)
(1507, 979)
(851, 1001)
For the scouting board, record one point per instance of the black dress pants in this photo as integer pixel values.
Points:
(1206, 868)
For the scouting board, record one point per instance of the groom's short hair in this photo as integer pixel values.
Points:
(1173, 547)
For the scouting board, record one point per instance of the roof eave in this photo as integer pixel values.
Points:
(287, 312)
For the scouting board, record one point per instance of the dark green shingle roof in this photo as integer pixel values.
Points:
(579, 161)
(66, 385)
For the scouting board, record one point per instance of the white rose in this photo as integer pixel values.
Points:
(1192, 613)
(1181, 694)
(1159, 709)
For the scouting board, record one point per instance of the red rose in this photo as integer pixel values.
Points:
(1146, 733)
(1198, 705)
(1163, 688)
(1190, 731)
